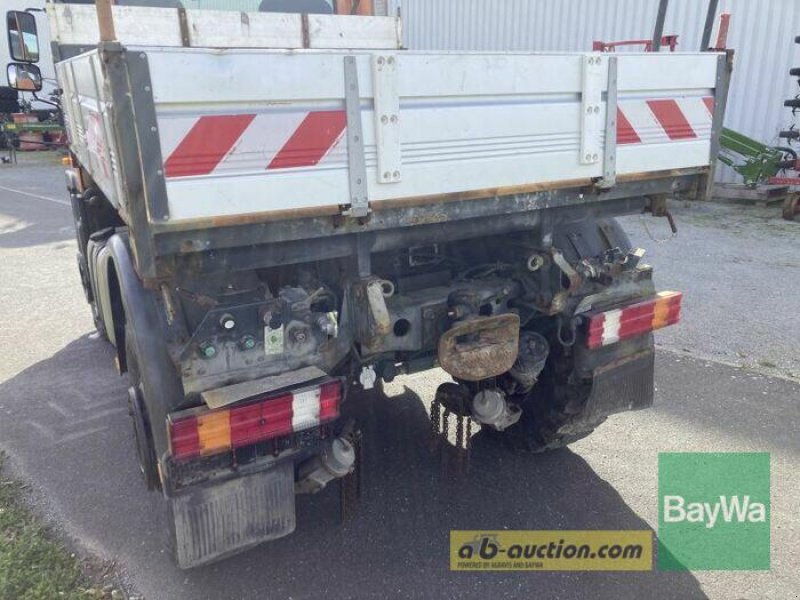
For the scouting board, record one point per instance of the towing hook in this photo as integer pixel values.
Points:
(658, 208)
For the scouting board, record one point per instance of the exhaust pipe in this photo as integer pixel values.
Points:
(337, 459)
(489, 407)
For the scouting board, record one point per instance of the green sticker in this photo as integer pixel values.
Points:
(273, 340)
(714, 511)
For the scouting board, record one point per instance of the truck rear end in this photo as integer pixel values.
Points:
(273, 209)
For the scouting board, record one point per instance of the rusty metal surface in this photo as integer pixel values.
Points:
(410, 202)
(480, 348)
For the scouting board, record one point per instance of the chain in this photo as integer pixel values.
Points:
(651, 236)
(436, 420)
(459, 432)
(435, 416)
(455, 457)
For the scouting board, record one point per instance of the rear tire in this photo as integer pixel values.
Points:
(137, 409)
(552, 411)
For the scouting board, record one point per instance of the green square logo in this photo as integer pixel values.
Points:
(713, 511)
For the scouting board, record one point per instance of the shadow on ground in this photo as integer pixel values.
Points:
(65, 425)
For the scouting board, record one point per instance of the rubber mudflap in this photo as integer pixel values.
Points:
(211, 523)
(626, 384)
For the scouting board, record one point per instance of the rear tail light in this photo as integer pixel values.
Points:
(205, 432)
(609, 327)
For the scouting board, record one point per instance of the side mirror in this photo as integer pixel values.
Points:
(23, 41)
(24, 77)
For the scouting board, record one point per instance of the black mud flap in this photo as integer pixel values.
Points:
(214, 522)
(623, 385)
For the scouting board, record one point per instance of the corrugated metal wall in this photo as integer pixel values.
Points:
(762, 32)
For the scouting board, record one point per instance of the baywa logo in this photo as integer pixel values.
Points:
(714, 511)
(730, 508)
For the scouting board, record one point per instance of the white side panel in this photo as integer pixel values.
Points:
(445, 149)
(653, 72)
(651, 158)
(337, 31)
(467, 123)
(216, 29)
(77, 24)
(145, 26)
(419, 76)
(88, 122)
(761, 32)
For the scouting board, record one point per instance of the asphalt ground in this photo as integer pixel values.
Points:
(64, 425)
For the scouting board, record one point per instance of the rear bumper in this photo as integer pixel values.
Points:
(214, 521)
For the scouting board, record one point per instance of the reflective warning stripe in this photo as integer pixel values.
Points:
(626, 134)
(206, 144)
(658, 121)
(672, 119)
(233, 143)
(316, 135)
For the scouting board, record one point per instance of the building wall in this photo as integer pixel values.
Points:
(762, 33)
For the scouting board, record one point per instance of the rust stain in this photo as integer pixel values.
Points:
(490, 348)
(408, 202)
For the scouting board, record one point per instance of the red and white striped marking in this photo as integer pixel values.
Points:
(216, 144)
(220, 144)
(659, 121)
(611, 326)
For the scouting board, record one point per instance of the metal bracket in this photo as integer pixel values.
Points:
(186, 38)
(724, 70)
(141, 92)
(591, 117)
(610, 149)
(387, 117)
(357, 167)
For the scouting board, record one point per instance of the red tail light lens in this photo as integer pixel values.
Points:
(257, 422)
(329, 399)
(611, 326)
(205, 432)
(184, 438)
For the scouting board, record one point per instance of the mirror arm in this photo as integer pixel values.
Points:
(50, 102)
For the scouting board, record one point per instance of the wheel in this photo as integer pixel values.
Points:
(83, 270)
(548, 427)
(552, 411)
(145, 447)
